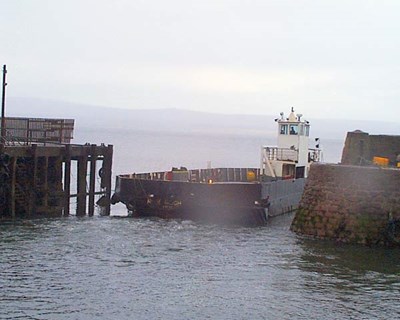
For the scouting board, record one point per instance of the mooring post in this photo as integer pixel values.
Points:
(108, 176)
(92, 182)
(13, 185)
(67, 178)
(82, 184)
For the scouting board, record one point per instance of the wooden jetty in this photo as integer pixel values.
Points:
(36, 170)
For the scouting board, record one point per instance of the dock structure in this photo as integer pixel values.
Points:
(41, 174)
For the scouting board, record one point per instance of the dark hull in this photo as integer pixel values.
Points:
(221, 203)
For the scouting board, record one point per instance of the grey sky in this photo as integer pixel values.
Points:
(328, 58)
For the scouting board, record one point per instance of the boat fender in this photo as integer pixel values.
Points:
(115, 198)
(102, 175)
(101, 172)
(103, 201)
(131, 206)
(264, 203)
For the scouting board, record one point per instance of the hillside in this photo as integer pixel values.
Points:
(177, 120)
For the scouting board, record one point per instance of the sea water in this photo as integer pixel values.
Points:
(123, 268)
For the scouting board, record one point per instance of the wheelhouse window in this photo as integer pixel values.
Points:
(284, 129)
(293, 129)
(307, 131)
(301, 130)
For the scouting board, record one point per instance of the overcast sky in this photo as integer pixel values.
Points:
(327, 58)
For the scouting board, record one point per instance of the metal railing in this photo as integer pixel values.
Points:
(315, 155)
(38, 130)
(202, 175)
(9, 140)
(281, 154)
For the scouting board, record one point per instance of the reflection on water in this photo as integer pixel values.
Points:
(116, 268)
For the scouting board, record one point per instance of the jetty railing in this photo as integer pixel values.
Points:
(38, 130)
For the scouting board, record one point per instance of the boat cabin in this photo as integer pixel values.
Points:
(291, 158)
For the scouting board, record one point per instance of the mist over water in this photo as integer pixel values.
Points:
(122, 268)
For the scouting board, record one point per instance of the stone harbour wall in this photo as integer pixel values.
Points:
(347, 203)
(360, 148)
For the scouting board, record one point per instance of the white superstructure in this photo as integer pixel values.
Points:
(292, 157)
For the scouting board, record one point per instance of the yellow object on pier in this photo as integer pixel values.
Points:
(380, 161)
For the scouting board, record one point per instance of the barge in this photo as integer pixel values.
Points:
(239, 196)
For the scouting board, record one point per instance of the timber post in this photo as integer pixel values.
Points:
(67, 179)
(38, 179)
(81, 185)
(108, 176)
(92, 181)
(45, 170)
(13, 185)
(34, 183)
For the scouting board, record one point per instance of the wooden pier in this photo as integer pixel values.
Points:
(39, 180)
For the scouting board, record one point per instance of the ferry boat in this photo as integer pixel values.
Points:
(239, 196)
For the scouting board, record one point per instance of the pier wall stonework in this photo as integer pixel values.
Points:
(348, 203)
(360, 148)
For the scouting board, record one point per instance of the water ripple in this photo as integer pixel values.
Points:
(105, 268)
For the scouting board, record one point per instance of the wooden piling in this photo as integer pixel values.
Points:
(67, 179)
(92, 183)
(45, 172)
(107, 165)
(81, 186)
(33, 190)
(39, 183)
(13, 185)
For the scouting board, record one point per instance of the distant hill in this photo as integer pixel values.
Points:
(176, 120)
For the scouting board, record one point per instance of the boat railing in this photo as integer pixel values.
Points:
(315, 155)
(281, 154)
(289, 154)
(202, 175)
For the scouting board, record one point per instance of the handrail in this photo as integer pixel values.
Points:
(282, 154)
(40, 130)
(12, 141)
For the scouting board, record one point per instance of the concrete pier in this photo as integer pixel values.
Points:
(357, 201)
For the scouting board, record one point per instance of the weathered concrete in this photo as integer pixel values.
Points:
(360, 147)
(349, 203)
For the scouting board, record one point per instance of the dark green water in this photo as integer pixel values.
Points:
(113, 268)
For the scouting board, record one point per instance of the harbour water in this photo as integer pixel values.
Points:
(122, 268)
